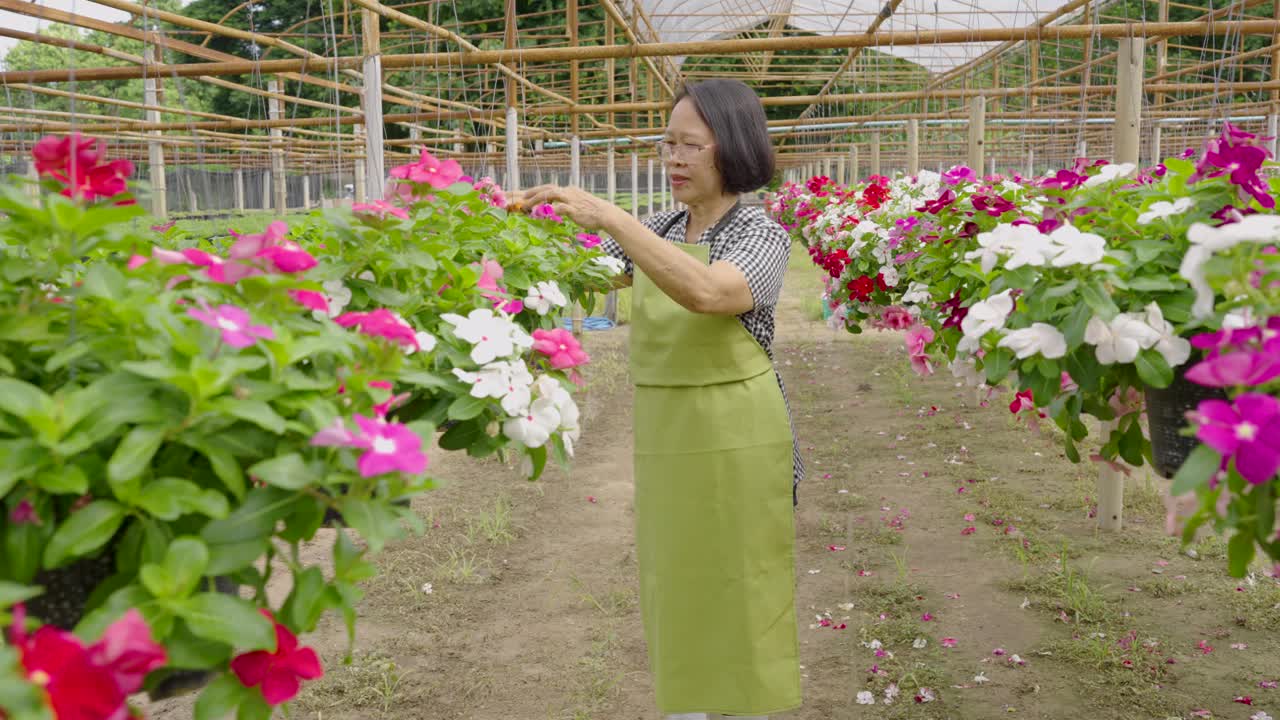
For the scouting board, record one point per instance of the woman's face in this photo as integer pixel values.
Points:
(691, 166)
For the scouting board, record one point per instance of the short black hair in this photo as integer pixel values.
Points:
(736, 117)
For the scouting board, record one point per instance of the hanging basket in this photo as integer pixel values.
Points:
(67, 591)
(1167, 416)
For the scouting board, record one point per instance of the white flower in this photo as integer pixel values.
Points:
(916, 293)
(510, 381)
(544, 296)
(1035, 250)
(873, 645)
(367, 275)
(1077, 248)
(1206, 240)
(1164, 209)
(1040, 338)
(1006, 239)
(891, 693)
(967, 371)
(882, 253)
(866, 698)
(492, 335)
(1174, 349)
(426, 343)
(427, 588)
(920, 644)
(612, 263)
(1239, 319)
(981, 678)
(1260, 715)
(337, 294)
(890, 274)
(867, 227)
(1109, 173)
(570, 429)
(987, 315)
(1121, 340)
(534, 428)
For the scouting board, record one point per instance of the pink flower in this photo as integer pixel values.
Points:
(490, 273)
(927, 617)
(381, 323)
(430, 171)
(389, 446)
(948, 642)
(164, 228)
(280, 673)
(1247, 429)
(561, 347)
(917, 339)
(24, 513)
(546, 212)
(969, 530)
(81, 167)
(1245, 368)
(1067, 385)
(250, 246)
(136, 261)
(289, 257)
(380, 209)
(1022, 401)
(836, 548)
(897, 318)
(589, 240)
(310, 299)
(491, 192)
(998, 652)
(234, 323)
(1204, 647)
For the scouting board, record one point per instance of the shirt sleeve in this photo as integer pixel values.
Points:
(761, 252)
(613, 249)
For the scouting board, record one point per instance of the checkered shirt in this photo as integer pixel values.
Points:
(757, 246)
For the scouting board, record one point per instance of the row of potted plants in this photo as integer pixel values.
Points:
(178, 415)
(1101, 290)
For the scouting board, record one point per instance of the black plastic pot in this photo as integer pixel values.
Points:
(1167, 416)
(67, 591)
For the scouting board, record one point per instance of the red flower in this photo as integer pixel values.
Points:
(861, 287)
(78, 164)
(88, 683)
(279, 673)
(1022, 401)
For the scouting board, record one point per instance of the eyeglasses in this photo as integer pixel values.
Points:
(680, 151)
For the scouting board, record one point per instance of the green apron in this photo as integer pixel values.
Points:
(715, 528)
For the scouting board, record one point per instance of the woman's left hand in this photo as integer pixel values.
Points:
(572, 203)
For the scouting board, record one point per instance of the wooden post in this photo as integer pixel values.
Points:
(306, 192)
(635, 185)
(1129, 100)
(840, 170)
(1110, 490)
(913, 147)
(239, 191)
(1082, 148)
(192, 201)
(1162, 62)
(359, 166)
(650, 203)
(1031, 163)
(575, 161)
(371, 103)
(1156, 140)
(977, 132)
(853, 164)
(275, 109)
(153, 95)
(510, 41)
(266, 190)
(875, 153)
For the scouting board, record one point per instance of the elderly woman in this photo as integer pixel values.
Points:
(715, 455)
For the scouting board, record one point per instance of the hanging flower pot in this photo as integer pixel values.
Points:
(1167, 416)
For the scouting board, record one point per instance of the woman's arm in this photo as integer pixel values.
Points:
(716, 289)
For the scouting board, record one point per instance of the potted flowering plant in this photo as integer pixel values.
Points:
(174, 413)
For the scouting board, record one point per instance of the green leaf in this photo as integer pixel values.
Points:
(254, 707)
(255, 411)
(1265, 506)
(462, 436)
(1153, 369)
(1132, 443)
(1152, 283)
(373, 520)
(225, 466)
(103, 280)
(24, 400)
(1099, 300)
(170, 498)
(388, 296)
(1196, 470)
(134, 453)
(287, 471)
(1240, 550)
(152, 369)
(1074, 326)
(253, 520)
(1069, 446)
(228, 619)
(221, 697)
(307, 601)
(424, 379)
(348, 561)
(13, 593)
(19, 459)
(187, 651)
(88, 529)
(467, 407)
(185, 562)
(66, 480)
(997, 365)
(229, 557)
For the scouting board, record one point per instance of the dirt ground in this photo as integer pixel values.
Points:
(941, 545)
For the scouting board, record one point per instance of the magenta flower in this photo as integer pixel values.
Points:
(136, 261)
(381, 323)
(430, 171)
(1064, 180)
(388, 446)
(1239, 155)
(311, 299)
(490, 273)
(993, 206)
(546, 212)
(589, 240)
(917, 339)
(24, 513)
(288, 257)
(234, 323)
(1247, 429)
(897, 318)
(380, 209)
(959, 174)
(561, 347)
(933, 207)
(490, 191)
(1246, 368)
(279, 673)
(250, 246)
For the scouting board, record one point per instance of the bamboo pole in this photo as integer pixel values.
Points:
(278, 179)
(510, 41)
(155, 149)
(635, 185)
(239, 183)
(853, 163)
(977, 132)
(913, 147)
(371, 104)
(650, 203)
(1129, 101)
(533, 55)
(875, 153)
